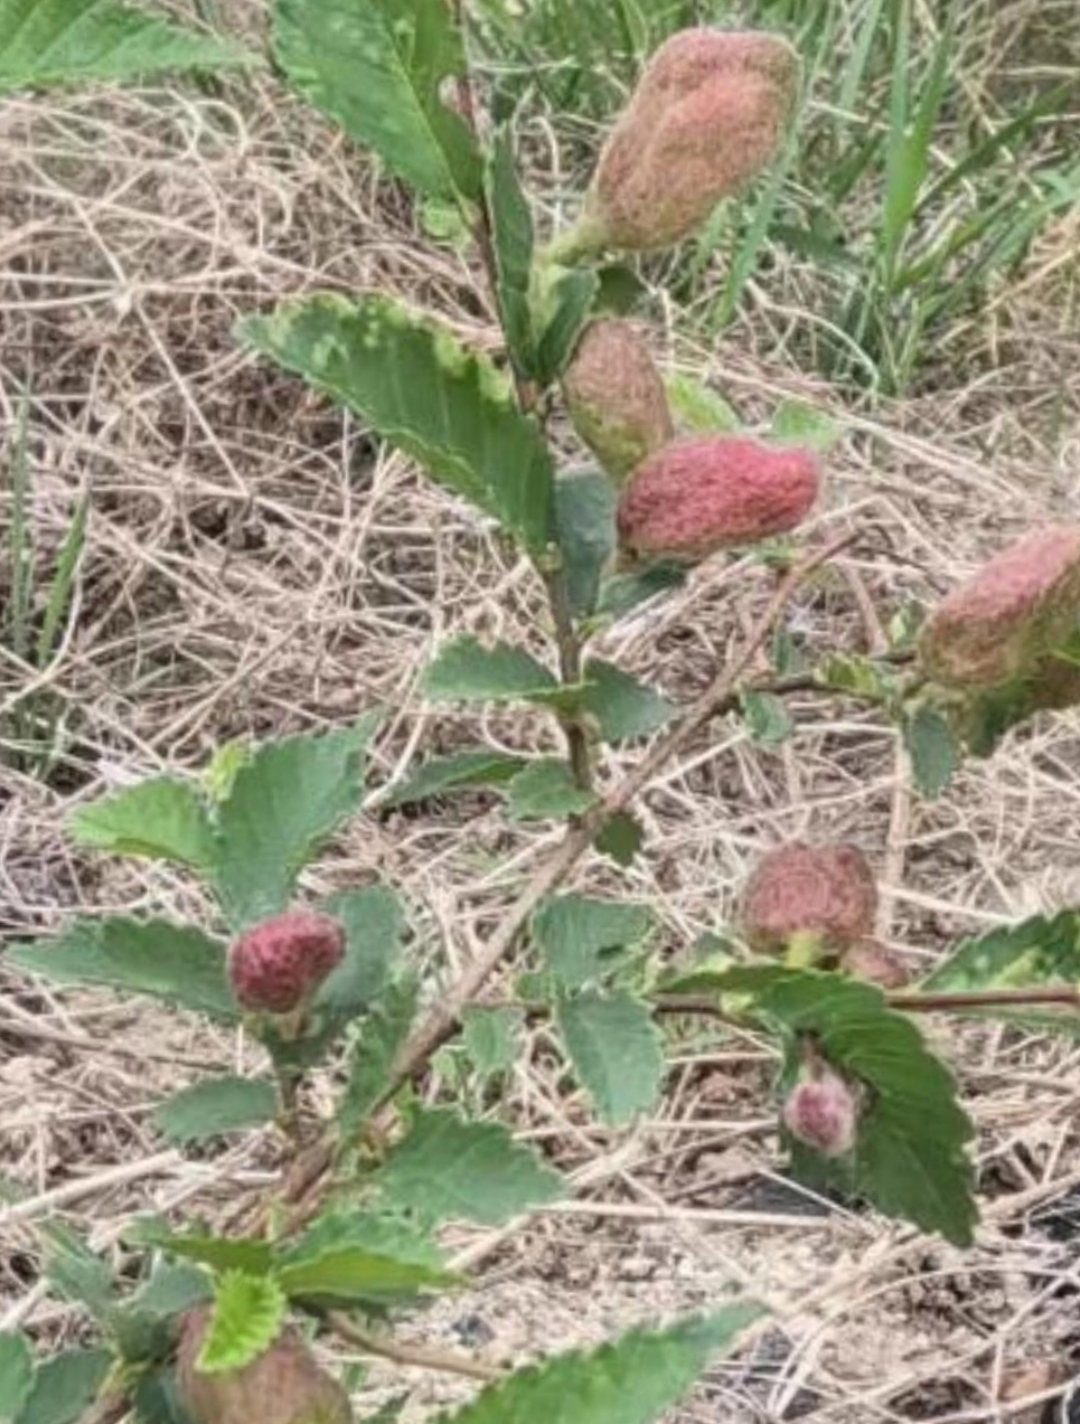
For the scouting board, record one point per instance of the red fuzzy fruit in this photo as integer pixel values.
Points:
(822, 1112)
(818, 896)
(615, 396)
(707, 114)
(999, 624)
(707, 493)
(284, 1385)
(275, 965)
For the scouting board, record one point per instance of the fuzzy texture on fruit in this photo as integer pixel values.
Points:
(825, 895)
(284, 1385)
(876, 964)
(822, 1112)
(707, 115)
(275, 965)
(998, 625)
(711, 492)
(615, 396)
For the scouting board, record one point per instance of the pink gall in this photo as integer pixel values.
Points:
(275, 965)
(702, 494)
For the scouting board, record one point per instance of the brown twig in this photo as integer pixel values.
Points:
(420, 1357)
(916, 1003)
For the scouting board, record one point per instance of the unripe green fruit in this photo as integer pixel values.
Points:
(707, 114)
(822, 1112)
(615, 396)
(698, 495)
(284, 1385)
(997, 627)
(800, 894)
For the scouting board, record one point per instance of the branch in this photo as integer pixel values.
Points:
(418, 1356)
(916, 1003)
(719, 697)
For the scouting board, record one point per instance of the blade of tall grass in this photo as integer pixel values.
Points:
(63, 581)
(16, 630)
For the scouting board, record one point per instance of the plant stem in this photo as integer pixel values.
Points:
(569, 646)
(916, 1003)
(909, 1002)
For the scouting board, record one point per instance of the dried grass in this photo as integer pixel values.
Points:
(255, 565)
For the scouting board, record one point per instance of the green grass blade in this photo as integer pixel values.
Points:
(22, 554)
(63, 581)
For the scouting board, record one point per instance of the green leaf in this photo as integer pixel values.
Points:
(632, 1380)
(621, 289)
(512, 243)
(448, 409)
(445, 1168)
(624, 708)
(489, 1037)
(371, 1058)
(623, 593)
(171, 1289)
(221, 1253)
(44, 43)
(698, 409)
(16, 1374)
(246, 1319)
(859, 676)
(454, 773)
(466, 671)
(65, 1386)
(376, 67)
(361, 1258)
(75, 1273)
(178, 965)
(159, 819)
(585, 503)
(577, 934)
(930, 746)
(1039, 953)
(767, 719)
(572, 303)
(620, 838)
(795, 423)
(546, 789)
(215, 1107)
(373, 928)
(283, 804)
(909, 1159)
(157, 1399)
(614, 1047)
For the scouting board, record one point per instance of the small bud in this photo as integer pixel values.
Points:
(615, 396)
(707, 115)
(800, 893)
(284, 1385)
(707, 493)
(998, 625)
(822, 1112)
(275, 965)
(876, 964)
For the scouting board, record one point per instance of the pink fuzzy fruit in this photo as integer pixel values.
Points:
(615, 396)
(819, 895)
(708, 113)
(822, 1112)
(275, 965)
(998, 625)
(707, 493)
